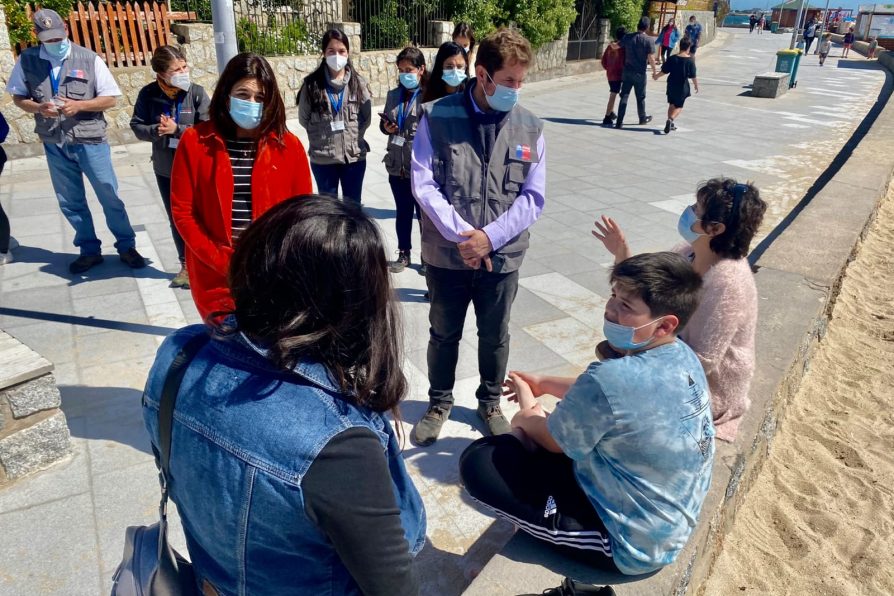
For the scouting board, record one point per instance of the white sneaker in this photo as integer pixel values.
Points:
(5, 257)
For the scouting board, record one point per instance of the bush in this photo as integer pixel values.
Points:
(626, 13)
(543, 21)
(21, 28)
(483, 15)
(386, 30)
(273, 40)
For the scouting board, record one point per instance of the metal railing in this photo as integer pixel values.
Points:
(393, 24)
(279, 27)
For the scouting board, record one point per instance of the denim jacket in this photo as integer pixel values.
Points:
(244, 436)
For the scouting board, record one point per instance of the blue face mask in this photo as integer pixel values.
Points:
(57, 50)
(621, 336)
(410, 80)
(246, 114)
(503, 99)
(684, 226)
(454, 77)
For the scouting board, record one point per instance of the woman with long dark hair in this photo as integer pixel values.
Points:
(403, 108)
(335, 108)
(449, 72)
(165, 108)
(230, 170)
(286, 473)
(464, 36)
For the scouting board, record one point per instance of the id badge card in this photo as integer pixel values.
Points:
(398, 141)
(172, 143)
(338, 125)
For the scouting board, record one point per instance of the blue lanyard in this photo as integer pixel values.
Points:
(336, 106)
(54, 80)
(404, 111)
(175, 108)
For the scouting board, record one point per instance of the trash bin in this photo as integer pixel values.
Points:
(788, 61)
(774, 26)
(794, 80)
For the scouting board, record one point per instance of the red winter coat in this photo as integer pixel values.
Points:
(202, 203)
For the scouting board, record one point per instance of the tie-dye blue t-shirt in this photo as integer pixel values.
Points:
(640, 432)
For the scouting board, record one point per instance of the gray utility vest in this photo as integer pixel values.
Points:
(397, 157)
(479, 190)
(77, 80)
(326, 147)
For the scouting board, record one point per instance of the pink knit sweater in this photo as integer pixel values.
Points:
(721, 332)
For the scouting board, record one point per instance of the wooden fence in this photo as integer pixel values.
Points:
(124, 34)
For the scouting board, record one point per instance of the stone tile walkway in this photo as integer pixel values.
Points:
(63, 529)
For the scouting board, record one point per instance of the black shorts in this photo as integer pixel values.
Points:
(676, 100)
(614, 86)
(538, 492)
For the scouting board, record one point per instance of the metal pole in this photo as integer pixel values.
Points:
(797, 25)
(224, 24)
(822, 27)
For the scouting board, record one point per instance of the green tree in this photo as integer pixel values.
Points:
(624, 12)
(543, 21)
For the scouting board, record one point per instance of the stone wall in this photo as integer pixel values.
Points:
(33, 430)
(197, 41)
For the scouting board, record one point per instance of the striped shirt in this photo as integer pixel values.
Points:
(242, 158)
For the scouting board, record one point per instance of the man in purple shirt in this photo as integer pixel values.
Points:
(478, 173)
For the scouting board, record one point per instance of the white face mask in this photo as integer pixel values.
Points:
(180, 80)
(336, 62)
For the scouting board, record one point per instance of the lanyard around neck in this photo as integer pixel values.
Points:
(404, 110)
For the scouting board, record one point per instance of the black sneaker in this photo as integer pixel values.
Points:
(607, 121)
(668, 126)
(613, 116)
(402, 262)
(422, 266)
(645, 120)
(84, 262)
(493, 417)
(427, 430)
(132, 259)
(619, 124)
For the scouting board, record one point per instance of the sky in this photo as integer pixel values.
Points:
(749, 4)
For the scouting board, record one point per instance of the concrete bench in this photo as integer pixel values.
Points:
(33, 430)
(770, 84)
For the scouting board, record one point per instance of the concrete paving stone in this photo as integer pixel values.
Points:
(529, 308)
(128, 372)
(21, 207)
(533, 266)
(36, 225)
(66, 543)
(102, 349)
(53, 341)
(85, 291)
(53, 299)
(575, 263)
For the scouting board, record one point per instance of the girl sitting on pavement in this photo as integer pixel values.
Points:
(718, 230)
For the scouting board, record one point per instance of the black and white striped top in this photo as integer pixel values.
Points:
(242, 158)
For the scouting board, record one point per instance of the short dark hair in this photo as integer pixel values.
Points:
(244, 66)
(738, 207)
(164, 56)
(685, 44)
(643, 24)
(665, 281)
(503, 47)
(620, 32)
(310, 280)
(436, 88)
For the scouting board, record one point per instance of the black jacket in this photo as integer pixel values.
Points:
(151, 104)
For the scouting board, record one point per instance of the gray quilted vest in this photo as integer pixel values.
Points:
(480, 191)
(77, 80)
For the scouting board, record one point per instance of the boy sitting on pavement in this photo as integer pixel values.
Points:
(620, 469)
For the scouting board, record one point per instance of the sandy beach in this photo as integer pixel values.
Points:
(820, 517)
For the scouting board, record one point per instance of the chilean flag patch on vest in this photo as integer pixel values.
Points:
(523, 152)
(77, 74)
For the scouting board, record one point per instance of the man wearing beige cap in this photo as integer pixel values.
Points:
(68, 87)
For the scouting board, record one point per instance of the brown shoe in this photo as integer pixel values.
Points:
(427, 430)
(492, 415)
(181, 280)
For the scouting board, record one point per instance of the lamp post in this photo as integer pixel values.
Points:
(822, 27)
(797, 26)
(224, 25)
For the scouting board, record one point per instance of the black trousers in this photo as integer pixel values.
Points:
(637, 82)
(492, 295)
(164, 188)
(538, 492)
(4, 220)
(406, 207)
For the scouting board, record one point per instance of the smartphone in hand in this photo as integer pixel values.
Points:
(387, 118)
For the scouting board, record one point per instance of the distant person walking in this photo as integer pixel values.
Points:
(752, 22)
(681, 68)
(639, 50)
(809, 35)
(668, 40)
(694, 33)
(761, 23)
(613, 62)
(848, 42)
(825, 46)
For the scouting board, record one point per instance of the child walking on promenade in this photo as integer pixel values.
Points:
(848, 42)
(680, 68)
(825, 45)
(613, 63)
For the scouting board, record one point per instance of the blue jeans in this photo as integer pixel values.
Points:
(451, 292)
(350, 175)
(68, 166)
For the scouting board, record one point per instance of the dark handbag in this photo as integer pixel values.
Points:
(150, 567)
